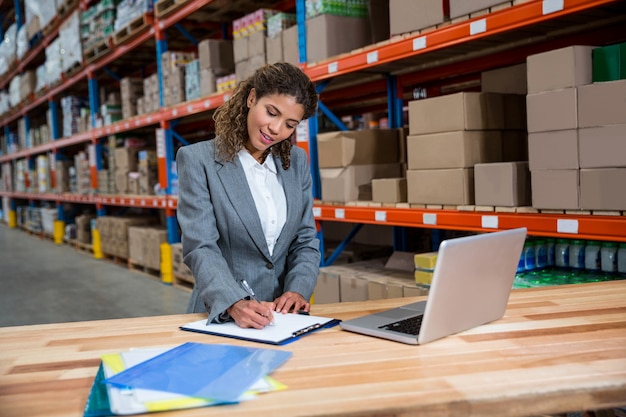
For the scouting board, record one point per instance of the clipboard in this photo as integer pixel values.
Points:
(286, 328)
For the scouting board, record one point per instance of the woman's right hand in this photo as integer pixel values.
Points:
(252, 314)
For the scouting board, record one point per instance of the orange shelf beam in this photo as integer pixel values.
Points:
(539, 224)
(522, 15)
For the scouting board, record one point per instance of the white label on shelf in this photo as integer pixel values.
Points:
(429, 218)
(127, 125)
(189, 108)
(489, 222)
(143, 202)
(149, 119)
(551, 6)
(108, 130)
(207, 104)
(132, 202)
(419, 43)
(317, 211)
(123, 201)
(567, 226)
(302, 131)
(117, 128)
(380, 216)
(175, 112)
(137, 122)
(340, 213)
(226, 97)
(160, 143)
(91, 149)
(372, 57)
(333, 67)
(478, 26)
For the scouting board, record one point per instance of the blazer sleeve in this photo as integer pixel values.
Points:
(303, 257)
(215, 288)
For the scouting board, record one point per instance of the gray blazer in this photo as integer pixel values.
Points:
(223, 242)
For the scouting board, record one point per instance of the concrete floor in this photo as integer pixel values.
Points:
(41, 282)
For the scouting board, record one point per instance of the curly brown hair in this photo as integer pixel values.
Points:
(231, 127)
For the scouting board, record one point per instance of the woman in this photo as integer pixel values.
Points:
(245, 203)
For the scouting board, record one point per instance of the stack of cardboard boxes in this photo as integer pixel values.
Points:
(448, 135)
(114, 233)
(173, 67)
(249, 42)
(144, 245)
(215, 59)
(576, 129)
(130, 90)
(349, 160)
(148, 171)
(125, 162)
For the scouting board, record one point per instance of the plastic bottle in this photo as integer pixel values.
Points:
(529, 255)
(621, 258)
(561, 253)
(541, 254)
(577, 254)
(608, 257)
(592, 255)
(550, 247)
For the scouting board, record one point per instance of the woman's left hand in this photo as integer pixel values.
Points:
(291, 301)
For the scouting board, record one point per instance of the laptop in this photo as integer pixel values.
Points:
(471, 285)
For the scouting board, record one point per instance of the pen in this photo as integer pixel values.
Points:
(250, 292)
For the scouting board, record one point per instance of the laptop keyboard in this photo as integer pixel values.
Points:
(407, 326)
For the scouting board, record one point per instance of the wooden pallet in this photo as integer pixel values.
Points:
(139, 267)
(86, 248)
(164, 8)
(134, 28)
(100, 49)
(66, 7)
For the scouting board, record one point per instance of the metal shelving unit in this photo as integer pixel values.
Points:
(382, 76)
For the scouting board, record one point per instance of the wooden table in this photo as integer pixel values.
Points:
(557, 349)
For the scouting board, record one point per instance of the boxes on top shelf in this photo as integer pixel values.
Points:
(278, 22)
(252, 22)
(460, 8)
(407, 16)
(330, 35)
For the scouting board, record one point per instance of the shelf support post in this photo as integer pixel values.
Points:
(54, 116)
(94, 101)
(161, 48)
(301, 22)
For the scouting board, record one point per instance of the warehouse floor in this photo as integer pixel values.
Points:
(46, 283)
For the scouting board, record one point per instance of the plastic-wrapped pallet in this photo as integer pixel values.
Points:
(43, 10)
(22, 44)
(48, 217)
(69, 38)
(8, 48)
(54, 62)
(128, 10)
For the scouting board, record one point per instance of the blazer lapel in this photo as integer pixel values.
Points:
(235, 184)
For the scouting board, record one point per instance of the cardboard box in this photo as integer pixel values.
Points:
(466, 111)
(126, 159)
(602, 104)
(602, 147)
(389, 190)
(459, 149)
(327, 287)
(441, 186)
(274, 49)
(362, 147)
(504, 184)
(602, 189)
(291, 50)
(379, 17)
(559, 69)
(353, 288)
(555, 189)
(207, 82)
(465, 7)
(507, 80)
(552, 110)
(255, 62)
(330, 35)
(240, 49)
(217, 55)
(342, 184)
(410, 15)
(553, 150)
(256, 44)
